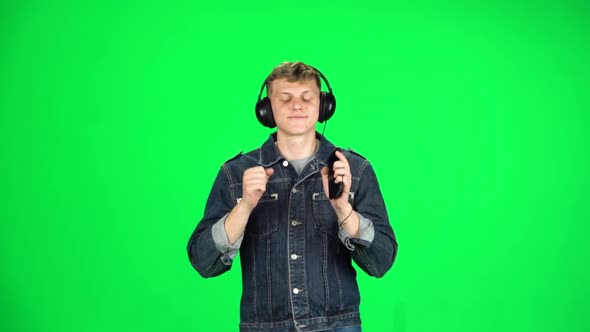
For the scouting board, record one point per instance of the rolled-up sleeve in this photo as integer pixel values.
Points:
(366, 234)
(208, 250)
(376, 256)
(221, 242)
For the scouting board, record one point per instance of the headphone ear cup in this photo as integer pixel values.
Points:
(327, 106)
(264, 113)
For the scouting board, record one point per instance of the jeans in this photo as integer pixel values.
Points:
(346, 329)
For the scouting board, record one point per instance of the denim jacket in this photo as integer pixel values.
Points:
(297, 273)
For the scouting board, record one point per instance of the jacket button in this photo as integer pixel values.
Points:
(295, 222)
(296, 291)
(285, 163)
(294, 257)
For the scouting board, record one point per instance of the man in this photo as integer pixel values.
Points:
(272, 204)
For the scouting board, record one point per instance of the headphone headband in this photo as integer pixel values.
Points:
(319, 73)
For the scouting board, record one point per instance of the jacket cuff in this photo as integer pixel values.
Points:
(221, 242)
(366, 234)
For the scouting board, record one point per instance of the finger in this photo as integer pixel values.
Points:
(341, 156)
(342, 178)
(341, 171)
(269, 172)
(255, 186)
(255, 173)
(324, 173)
(257, 179)
(250, 172)
(259, 188)
(341, 165)
(255, 182)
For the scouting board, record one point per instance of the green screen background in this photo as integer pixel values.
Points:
(115, 117)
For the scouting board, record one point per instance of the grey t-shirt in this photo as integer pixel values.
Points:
(299, 164)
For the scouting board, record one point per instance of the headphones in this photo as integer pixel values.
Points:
(327, 104)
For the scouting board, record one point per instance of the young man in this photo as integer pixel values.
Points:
(272, 204)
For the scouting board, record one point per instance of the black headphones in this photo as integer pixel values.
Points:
(327, 105)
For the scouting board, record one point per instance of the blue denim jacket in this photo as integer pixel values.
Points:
(297, 273)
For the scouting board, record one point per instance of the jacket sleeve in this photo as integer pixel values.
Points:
(203, 253)
(375, 257)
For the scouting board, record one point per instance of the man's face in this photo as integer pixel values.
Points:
(295, 105)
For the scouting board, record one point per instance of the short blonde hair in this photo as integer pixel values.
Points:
(294, 72)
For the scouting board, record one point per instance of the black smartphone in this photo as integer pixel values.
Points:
(335, 189)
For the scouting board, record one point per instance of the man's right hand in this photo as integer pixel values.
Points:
(254, 183)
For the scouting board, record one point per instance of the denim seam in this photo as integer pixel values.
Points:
(288, 264)
(339, 285)
(255, 286)
(362, 168)
(305, 289)
(325, 270)
(269, 277)
(283, 323)
(231, 183)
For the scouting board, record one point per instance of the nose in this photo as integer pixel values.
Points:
(296, 106)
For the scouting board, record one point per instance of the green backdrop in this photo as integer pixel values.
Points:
(116, 115)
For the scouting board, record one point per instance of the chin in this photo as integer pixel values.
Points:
(297, 131)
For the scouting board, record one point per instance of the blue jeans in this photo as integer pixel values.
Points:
(346, 329)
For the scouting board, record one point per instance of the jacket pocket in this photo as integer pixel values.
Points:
(324, 217)
(264, 219)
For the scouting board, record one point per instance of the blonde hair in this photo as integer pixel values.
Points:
(294, 72)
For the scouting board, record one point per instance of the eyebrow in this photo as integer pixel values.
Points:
(289, 93)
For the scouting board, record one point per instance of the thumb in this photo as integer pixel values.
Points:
(324, 171)
(269, 171)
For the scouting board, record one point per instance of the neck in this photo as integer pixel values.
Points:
(296, 147)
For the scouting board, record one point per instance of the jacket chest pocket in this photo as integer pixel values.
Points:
(264, 219)
(324, 217)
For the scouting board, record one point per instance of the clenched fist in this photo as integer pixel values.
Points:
(254, 185)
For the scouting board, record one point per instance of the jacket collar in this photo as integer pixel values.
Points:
(269, 154)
